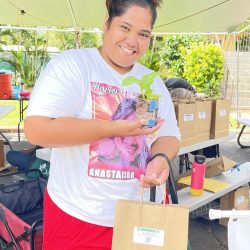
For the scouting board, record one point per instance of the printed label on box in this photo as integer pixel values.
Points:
(222, 112)
(188, 117)
(202, 115)
(240, 199)
(148, 236)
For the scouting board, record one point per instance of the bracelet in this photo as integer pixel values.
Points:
(162, 155)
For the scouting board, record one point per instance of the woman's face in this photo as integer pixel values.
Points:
(132, 147)
(127, 38)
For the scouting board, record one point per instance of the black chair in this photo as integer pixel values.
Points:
(22, 159)
(174, 83)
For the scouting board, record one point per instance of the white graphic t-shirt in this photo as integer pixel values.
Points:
(86, 180)
(118, 158)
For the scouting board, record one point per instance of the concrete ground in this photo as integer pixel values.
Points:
(203, 233)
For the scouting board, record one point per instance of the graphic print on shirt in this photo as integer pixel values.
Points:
(118, 158)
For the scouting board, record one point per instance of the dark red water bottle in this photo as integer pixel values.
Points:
(198, 173)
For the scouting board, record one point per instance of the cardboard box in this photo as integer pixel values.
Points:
(220, 118)
(218, 165)
(186, 115)
(237, 199)
(204, 115)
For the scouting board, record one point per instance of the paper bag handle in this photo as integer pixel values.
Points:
(163, 186)
(141, 202)
(172, 188)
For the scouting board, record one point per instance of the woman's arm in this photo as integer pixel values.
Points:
(168, 145)
(157, 170)
(67, 131)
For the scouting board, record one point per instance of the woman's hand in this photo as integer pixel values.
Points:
(156, 174)
(131, 128)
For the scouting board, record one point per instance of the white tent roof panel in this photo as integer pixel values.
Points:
(193, 15)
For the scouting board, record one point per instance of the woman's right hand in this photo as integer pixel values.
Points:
(132, 128)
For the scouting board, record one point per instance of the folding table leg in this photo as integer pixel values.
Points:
(238, 138)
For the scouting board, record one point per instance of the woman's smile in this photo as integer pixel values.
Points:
(127, 51)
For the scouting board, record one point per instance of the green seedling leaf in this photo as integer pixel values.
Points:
(148, 80)
(144, 83)
(130, 80)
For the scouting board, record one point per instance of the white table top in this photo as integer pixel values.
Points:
(204, 144)
(6, 109)
(235, 178)
(243, 121)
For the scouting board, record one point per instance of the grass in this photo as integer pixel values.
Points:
(11, 120)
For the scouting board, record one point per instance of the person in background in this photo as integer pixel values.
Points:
(71, 111)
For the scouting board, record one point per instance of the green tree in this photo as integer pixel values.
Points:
(151, 59)
(175, 49)
(67, 40)
(28, 53)
(204, 68)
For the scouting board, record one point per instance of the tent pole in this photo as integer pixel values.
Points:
(72, 14)
(77, 39)
(75, 23)
(237, 75)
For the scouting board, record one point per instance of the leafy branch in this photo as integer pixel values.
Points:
(145, 85)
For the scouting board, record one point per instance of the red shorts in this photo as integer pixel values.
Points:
(64, 232)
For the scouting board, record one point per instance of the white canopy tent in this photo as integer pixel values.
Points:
(174, 15)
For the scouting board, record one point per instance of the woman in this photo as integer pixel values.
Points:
(71, 110)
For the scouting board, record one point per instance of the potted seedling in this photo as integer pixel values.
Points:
(147, 102)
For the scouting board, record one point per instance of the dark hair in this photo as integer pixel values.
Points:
(118, 7)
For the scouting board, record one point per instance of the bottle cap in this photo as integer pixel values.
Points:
(200, 158)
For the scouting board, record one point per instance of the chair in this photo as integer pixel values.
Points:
(21, 159)
(21, 210)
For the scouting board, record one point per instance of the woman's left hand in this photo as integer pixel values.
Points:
(156, 174)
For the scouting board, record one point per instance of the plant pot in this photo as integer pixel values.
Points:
(147, 109)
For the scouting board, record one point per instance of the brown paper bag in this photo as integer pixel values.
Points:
(186, 116)
(204, 109)
(150, 226)
(241, 198)
(237, 199)
(220, 118)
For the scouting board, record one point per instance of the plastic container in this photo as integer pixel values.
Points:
(5, 86)
(24, 94)
(16, 92)
(198, 173)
